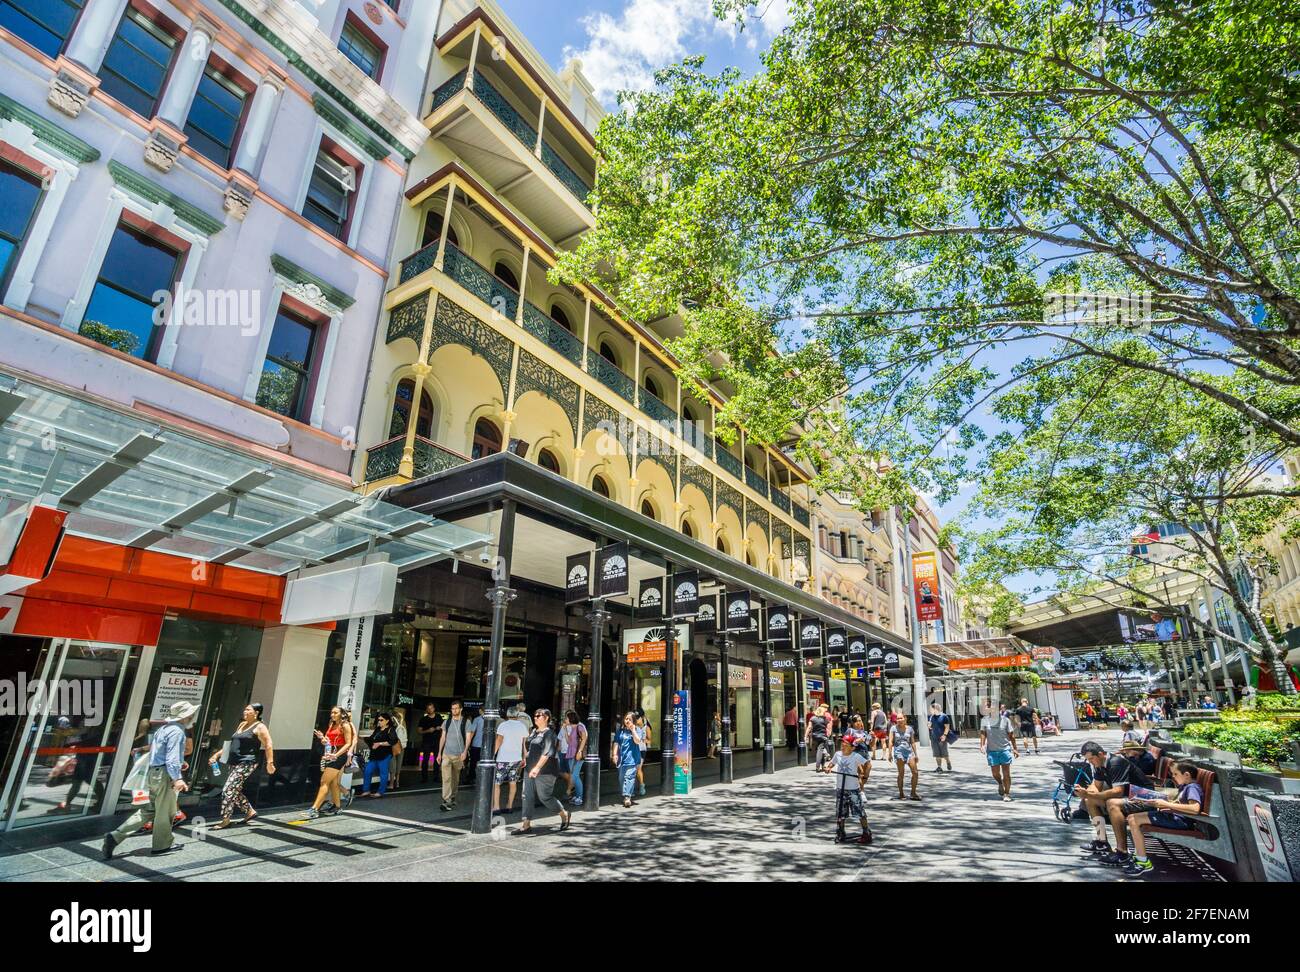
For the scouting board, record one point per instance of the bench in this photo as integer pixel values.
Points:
(1210, 835)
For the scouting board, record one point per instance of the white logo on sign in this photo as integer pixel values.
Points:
(810, 632)
(650, 597)
(836, 641)
(777, 622)
(578, 576)
(685, 592)
(615, 567)
(706, 612)
(738, 609)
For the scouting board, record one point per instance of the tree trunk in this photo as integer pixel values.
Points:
(1273, 654)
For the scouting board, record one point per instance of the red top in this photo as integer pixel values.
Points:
(335, 737)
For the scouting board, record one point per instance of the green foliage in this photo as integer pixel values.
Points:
(1257, 742)
(1275, 701)
(116, 338)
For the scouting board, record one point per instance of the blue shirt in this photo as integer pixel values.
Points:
(938, 726)
(168, 748)
(629, 753)
(476, 727)
(1165, 629)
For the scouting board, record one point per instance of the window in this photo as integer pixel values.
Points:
(652, 387)
(215, 115)
(20, 192)
(600, 487)
(362, 49)
(560, 318)
(722, 546)
(330, 194)
(402, 411)
(433, 231)
(136, 63)
(286, 373)
(487, 439)
(647, 509)
(506, 275)
(607, 353)
(121, 309)
(45, 24)
(546, 459)
(688, 529)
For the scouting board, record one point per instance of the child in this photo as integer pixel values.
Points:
(851, 770)
(1164, 813)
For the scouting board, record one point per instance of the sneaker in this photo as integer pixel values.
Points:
(329, 810)
(444, 805)
(840, 837)
(1006, 798)
(864, 838)
(1096, 847)
(1115, 859)
(642, 789)
(1137, 868)
(312, 813)
(108, 847)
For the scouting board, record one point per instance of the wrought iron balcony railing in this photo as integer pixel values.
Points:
(756, 482)
(428, 457)
(728, 461)
(802, 515)
(551, 334)
(780, 500)
(656, 408)
(418, 262)
(480, 281)
(609, 375)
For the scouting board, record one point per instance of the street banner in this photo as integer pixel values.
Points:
(778, 623)
(876, 653)
(650, 598)
(737, 608)
(686, 593)
(577, 573)
(706, 616)
(612, 569)
(925, 586)
(645, 644)
(892, 664)
(682, 742)
(857, 648)
(810, 634)
(835, 642)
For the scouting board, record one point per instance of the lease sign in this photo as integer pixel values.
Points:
(925, 586)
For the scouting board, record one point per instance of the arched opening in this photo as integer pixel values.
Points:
(652, 386)
(402, 401)
(547, 460)
(608, 354)
(749, 559)
(506, 275)
(688, 529)
(433, 230)
(600, 486)
(648, 509)
(487, 439)
(722, 546)
(561, 318)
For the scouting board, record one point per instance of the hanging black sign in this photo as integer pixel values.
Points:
(612, 569)
(737, 606)
(778, 623)
(706, 616)
(810, 634)
(891, 660)
(857, 647)
(650, 598)
(686, 593)
(577, 577)
(876, 653)
(836, 639)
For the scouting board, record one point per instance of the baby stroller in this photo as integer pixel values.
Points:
(1076, 771)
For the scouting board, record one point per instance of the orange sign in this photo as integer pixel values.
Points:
(925, 586)
(999, 661)
(646, 651)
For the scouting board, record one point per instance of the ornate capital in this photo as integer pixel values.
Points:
(239, 197)
(422, 369)
(68, 93)
(508, 415)
(161, 149)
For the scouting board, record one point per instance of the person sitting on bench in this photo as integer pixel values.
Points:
(1169, 814)
(1112, 774)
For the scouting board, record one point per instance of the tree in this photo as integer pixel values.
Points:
(913, 194)
(1121, 452)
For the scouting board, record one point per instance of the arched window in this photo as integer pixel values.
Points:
(506, 275)
(749, 558)
(722, 545)
(647, 509)
(688, 529)
(652, 387)
(487, 439)
(546, 459)
(433, 230)
(599, 486)
(561, 318)
(607, 353)
(402, 411)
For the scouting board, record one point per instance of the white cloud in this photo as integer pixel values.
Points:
(623, 51)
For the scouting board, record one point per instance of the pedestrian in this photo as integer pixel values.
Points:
(381, 742)
(902, 741)
(940, 725)
(399, 749)
(573, 750)
(626, 756)
(509, 755)
(452, 751)
(879, 730)
(340, 741)
(430, 726)
(715, 734)
(643, 742)
(1025, 713)
(998, 744)
(819, 736)
(475, 717)
(791, 723)
(165, 784)
(540, 772)
(851, 770)
(241, 763)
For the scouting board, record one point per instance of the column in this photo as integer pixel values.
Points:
(326, 366)
(800, 690)
(189, 64)
(446, 225)
(290, 657)
(598, 617)
(260, 115)
(189, 272)
(769, 754)
(500, 595)
(724, 707)
(94, 31)
(29, 258)
(523, 283)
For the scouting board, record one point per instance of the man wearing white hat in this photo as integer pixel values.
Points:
(166, 764)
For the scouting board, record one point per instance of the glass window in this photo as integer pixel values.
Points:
(546, 459)
(287, 369)
(647, 509)
(361, 50)
(136, 63)
(45, 24)
(214, 117)
(600, 487)
(506, 275)
(402, 411)
(487, 439)
(329, 195)
(433, 231)
(19, 193)
(121, 309)
(560, 318)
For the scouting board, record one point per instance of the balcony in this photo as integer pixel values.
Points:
(802, 516)
(477, 117)
(479, 281)
(780, 500)
(557, 338)
(385, 459)
(656, 408)
(609, 375)
(728, 461)
(756, 482)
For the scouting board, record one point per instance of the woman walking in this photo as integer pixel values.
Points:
(382, 741)
(339, 740)
(643, 743)
(902, 740)
(399, 747)
(573, 750)
(715, 734)
(249, 736)
(541, 772)
(626, 756)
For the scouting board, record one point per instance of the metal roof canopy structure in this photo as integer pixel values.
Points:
(980, 647)
(129, 481)
(469, 492)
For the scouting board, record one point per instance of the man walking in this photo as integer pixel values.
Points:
(166, 764)
(430, 727)
(452, 749)
(998, 743)
(940, 724)
(1026, 715)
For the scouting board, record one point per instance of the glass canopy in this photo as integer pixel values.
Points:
(130, 481)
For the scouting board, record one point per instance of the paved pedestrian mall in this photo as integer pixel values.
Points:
(761, 828)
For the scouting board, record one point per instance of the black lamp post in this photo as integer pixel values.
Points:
(598, 617)
(500, 594)
(724, 706)
(769, 754)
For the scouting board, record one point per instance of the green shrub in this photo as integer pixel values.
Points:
(1256, 741)
(1273, 701)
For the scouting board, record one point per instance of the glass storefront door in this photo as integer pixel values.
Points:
(63, 747)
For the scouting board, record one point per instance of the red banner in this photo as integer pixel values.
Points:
(925, 587)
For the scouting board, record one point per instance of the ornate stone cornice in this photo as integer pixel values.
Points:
(48, 134)
(309, 288)
(147, 189)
